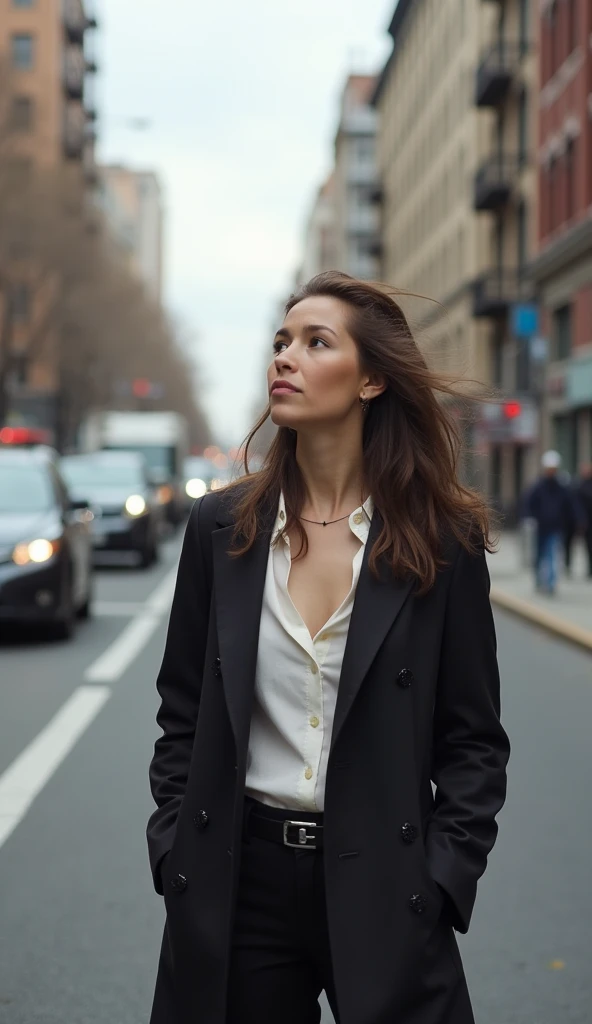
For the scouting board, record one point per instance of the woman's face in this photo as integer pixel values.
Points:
(317, 361)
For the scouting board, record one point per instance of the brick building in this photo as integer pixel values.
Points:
(562, 268)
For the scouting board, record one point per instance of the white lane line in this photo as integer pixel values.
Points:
(112, 663)
(115, 609)
(32, 769)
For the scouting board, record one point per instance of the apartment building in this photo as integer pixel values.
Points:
(356, 213)
(454, 160)
(47, 63)
(562, 268)
(132, 203)
(319, 235)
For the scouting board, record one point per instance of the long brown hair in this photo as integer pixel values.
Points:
(411, 446)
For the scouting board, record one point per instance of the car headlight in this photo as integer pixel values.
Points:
(36, 551)
(135, 505)
(195, 488)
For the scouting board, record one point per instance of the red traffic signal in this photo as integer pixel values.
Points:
(512, 410)
(141, 387)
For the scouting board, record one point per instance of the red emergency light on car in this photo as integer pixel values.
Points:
(24, 435)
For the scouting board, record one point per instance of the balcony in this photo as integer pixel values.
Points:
(494, 182)
(73, 141)
(495, 73)
(76, 20)
(74, 73)
(495, 291)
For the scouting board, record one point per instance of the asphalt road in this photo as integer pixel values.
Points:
(79, 923)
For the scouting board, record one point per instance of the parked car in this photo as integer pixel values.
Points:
(45, 543)
(127, 514)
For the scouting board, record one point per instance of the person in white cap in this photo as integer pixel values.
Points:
(550, 504)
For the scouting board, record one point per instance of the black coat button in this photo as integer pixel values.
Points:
(405, 677)
(408, 832)
(418, 902)
(179, 882)
(217, 667)
(201, 819)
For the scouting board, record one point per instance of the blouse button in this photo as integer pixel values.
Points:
(314, 721)
(314, 668)
(308, 773)
(324, 636)
(358, 518)
(282, 516)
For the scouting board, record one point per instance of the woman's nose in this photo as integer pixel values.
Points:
(284, 359)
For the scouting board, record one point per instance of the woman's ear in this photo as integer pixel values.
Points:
(374, 386)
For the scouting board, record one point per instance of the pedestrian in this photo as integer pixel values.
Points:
(584, 494)
(551, 505)
(330, 664)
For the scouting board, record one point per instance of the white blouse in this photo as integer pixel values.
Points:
(296, 683)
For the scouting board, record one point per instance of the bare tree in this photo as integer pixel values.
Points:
(92, 321)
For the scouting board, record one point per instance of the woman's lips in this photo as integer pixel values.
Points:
(283, 388)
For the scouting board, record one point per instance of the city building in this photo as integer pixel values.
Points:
(132, 202)
(319, 236)
(455, 140)
(47, 65)
(356, 236)
(562, 268)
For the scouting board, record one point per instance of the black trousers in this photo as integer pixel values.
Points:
(280, 960)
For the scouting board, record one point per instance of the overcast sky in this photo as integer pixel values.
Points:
(243, 100)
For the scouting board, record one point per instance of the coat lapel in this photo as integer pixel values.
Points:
(376, 606)
(239, 584)
(238, 588)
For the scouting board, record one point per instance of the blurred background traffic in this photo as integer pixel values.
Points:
(168, 176)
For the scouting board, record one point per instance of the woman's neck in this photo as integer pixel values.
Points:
(331, 468)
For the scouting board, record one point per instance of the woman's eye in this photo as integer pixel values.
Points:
(277, 345)
(320, 341)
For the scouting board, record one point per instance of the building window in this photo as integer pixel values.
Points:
(20, 302)
(553, 196)
(562, 332)
(523, 28)
(22, 51)
(20, 369)
(21, 114)
(553, 39)
(570, 183)
(523, 128)
(572, 25)
(522, 233)
(497, 352)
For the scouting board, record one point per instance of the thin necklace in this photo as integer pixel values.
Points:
(318, 522)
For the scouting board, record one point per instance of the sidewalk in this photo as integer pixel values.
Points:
(568, 613)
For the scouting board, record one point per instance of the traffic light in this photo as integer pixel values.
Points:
(512, 410)
(141, 387)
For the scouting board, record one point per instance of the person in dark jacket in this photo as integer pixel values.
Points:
(332, 759)
(551, 505)
(584, 494)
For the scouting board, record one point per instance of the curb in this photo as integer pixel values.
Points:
(540, 617)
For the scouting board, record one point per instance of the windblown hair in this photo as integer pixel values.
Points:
(411, 446)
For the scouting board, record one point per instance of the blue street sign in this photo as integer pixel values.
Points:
(525, 319)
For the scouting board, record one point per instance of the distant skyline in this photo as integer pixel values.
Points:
(241, 108)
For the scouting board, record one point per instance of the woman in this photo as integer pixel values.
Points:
(331, 653)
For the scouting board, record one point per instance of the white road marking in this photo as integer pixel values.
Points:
(112, 663)
(115, 609)
(32, 769)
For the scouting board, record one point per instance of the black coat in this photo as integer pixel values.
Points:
(418, 701)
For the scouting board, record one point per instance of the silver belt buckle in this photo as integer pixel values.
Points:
(303, 836)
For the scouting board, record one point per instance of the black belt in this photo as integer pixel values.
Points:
(302, 835)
